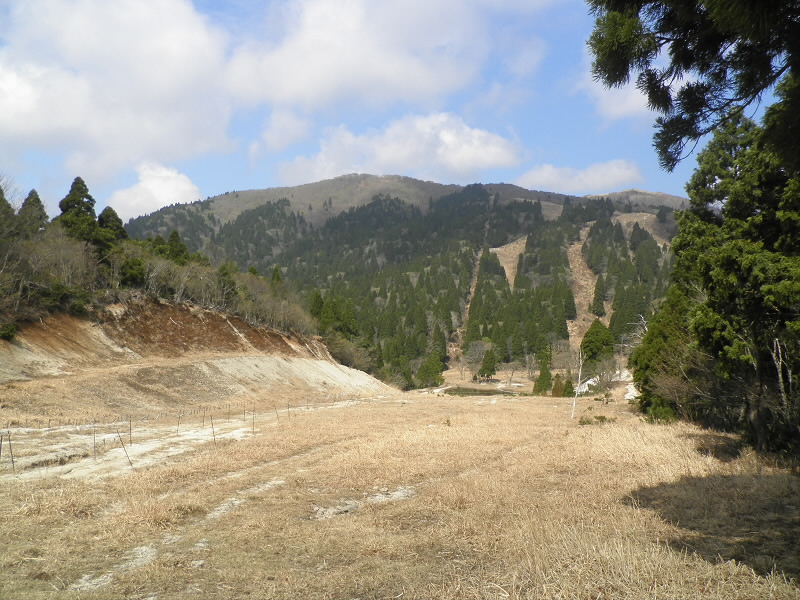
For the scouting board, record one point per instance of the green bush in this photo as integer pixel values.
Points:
(8, 331)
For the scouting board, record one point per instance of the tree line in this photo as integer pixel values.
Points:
(79, 258)
(723, 347)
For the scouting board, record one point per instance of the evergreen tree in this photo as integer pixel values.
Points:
(32, 216)
(109, 221)
(598, 307)
(8, 219)
(545, 380)
(430, 372)
(597, 343)
(488, 365)
(315, 304)
(438, 343)
(558, 386)
(77, 212)
(720, 56)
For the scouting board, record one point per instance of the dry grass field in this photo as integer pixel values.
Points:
(411, 496)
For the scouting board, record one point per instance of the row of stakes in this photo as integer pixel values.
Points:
(7, 435)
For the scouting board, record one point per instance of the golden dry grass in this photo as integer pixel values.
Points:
(503, 498)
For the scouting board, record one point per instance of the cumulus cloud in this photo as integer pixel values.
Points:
(158, 186)
(104, 85)
(439, 146)
(594, 179)
(366, 51)
(108, 83)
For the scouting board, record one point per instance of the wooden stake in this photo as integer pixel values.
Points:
(213, 433)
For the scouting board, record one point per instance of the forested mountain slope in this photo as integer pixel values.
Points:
(400, 288)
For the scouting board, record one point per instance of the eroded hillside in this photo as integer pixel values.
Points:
(145, 357)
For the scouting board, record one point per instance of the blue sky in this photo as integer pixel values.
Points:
(159, 102)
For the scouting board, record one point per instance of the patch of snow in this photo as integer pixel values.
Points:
(348, 506)
(139, 557)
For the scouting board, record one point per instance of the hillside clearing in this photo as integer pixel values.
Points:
(418, 496)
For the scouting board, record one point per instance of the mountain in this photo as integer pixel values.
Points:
(301, 208)
(403, 283)
(638, 199)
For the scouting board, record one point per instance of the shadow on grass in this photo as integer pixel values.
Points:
(753, 519)
(723, 447)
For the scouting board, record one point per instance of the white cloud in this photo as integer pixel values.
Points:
(612, 103)
(594, 179)
(438, 146)
(370, 52)
(285, 128)
(158, 186)
(99, 86)
(110, 83)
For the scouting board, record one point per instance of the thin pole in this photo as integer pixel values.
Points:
(11, 450)
(123, 448)
(213, 433)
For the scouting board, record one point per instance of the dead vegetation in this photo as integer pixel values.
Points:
(416, 496)
(314, 481)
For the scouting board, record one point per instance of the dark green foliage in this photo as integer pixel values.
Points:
(569, 388)
(77, 213)
(315, 304)
(8, 331)
(110, 222)
(132, 272)
(8, 223)
(438, 343)
(597, 344)
(736, 297)
(631, 307)
(720, 56)
(429, 373)
(545, 379)
(667, 366)
(488, 365)
(598, 307)
(32, 216)
(337, 314)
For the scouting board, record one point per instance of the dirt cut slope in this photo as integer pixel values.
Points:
(145, 357)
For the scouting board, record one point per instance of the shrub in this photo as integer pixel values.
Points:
(8, 331)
